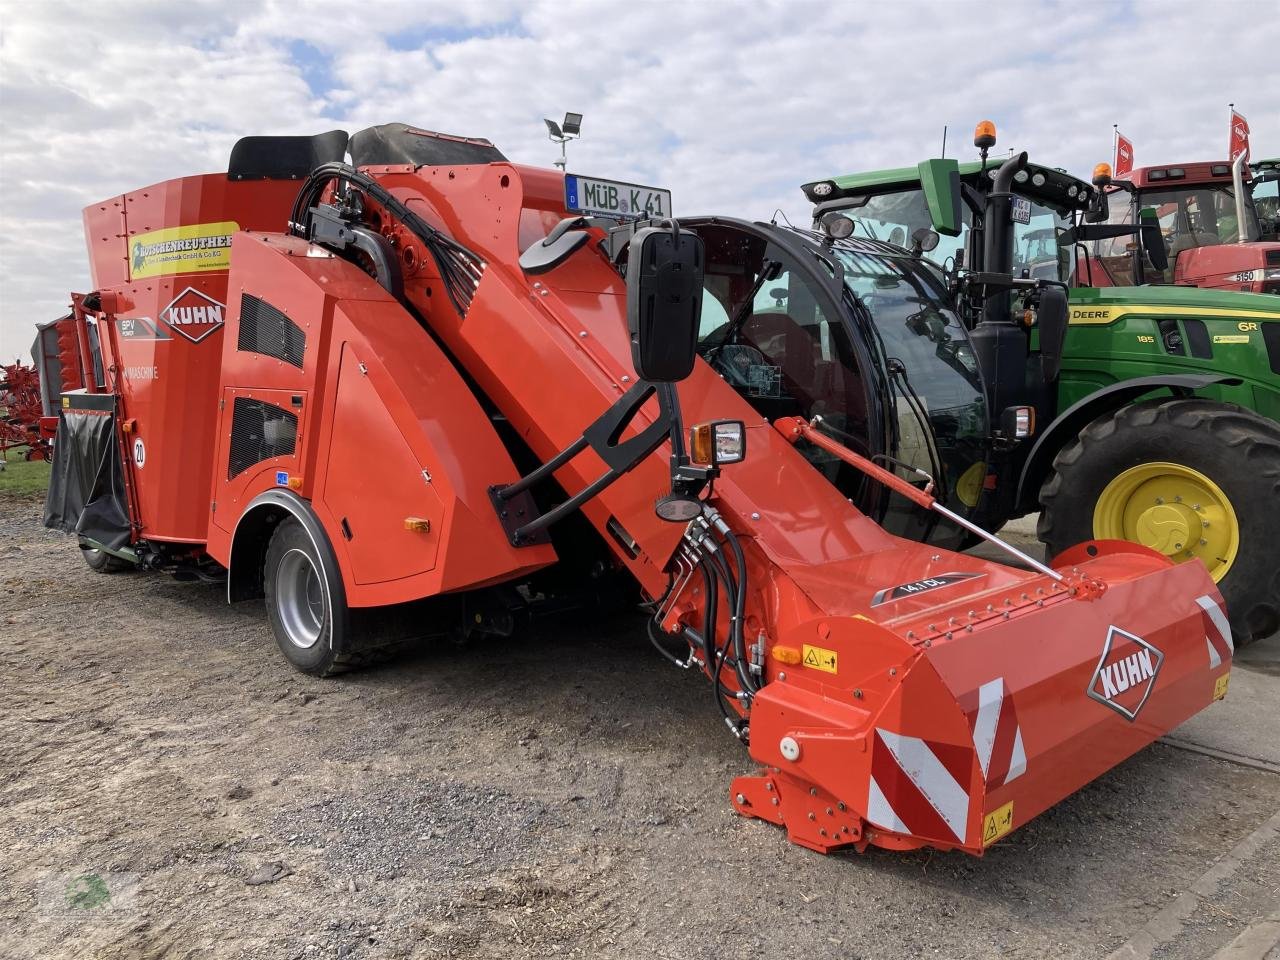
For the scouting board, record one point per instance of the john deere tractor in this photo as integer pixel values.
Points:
(1156, 407)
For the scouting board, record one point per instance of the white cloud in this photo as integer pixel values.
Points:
(731, 104)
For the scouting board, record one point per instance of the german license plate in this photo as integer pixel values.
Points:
(1021, 212)
(610, 198)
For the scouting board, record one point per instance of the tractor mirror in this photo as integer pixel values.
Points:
(664, 301)
(1153, 239)
(1051, 321)
(1099, 208)
(940, 182)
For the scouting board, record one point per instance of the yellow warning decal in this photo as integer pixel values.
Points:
(997, 823)
(1231, 338)
(191, 249)
(66, 403)
(1220, 686)
(820, 658)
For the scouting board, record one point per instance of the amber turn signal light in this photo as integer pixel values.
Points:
(717, 442)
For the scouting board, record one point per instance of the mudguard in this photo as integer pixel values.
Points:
(1083, 412)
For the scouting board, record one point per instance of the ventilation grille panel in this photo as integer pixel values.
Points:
(259, 431)
(265, 330)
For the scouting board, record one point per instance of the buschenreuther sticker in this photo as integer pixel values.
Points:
(190, 249)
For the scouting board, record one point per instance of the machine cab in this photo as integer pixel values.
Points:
(860, 335)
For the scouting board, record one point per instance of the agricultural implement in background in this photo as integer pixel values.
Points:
(436, 388)
(1156, 407)
(20, 413)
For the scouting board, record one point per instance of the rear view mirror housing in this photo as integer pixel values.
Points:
(940, 183)
(665, 268)
(1051, 321)
(1099, 208)
(1153, 239)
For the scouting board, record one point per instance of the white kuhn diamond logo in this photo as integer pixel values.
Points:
(193, 314)
(1126, 673)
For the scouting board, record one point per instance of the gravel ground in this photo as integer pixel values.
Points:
(170, 788)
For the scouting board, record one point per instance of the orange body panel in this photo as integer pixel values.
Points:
(387, 430)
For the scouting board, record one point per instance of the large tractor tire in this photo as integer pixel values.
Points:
(1193, 479)
(100, 561)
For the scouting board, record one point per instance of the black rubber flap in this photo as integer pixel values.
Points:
(396, 143)
(285, 158)
(86, 490)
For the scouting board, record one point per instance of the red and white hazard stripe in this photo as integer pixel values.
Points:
(997, 735)
(916, 786)
(1217, 631)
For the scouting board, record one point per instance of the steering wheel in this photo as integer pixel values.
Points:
(734, 362)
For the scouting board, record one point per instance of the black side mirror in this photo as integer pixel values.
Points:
(1051, 321)
(1099, 208)
(664, 301)
(1153, 239)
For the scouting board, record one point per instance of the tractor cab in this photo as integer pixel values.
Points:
(862, 335)
(886, 205)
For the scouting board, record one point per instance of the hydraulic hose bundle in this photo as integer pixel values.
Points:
(460, 268)
(711, 550)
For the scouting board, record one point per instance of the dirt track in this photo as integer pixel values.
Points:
(556, 794)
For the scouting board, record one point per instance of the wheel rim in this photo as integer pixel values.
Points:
(299, 599)
(1173, 509)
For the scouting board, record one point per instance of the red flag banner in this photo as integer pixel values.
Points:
(1239, 136)
(1124, 156)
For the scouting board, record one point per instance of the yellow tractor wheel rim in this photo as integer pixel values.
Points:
(1172, 509)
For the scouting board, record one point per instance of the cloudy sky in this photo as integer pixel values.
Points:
(729, 104)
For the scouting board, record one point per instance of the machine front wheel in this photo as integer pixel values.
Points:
(300, 602)
(1192, 479)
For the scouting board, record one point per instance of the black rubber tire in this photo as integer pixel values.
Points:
(100, 561)
(362, 648)
(1235, 448)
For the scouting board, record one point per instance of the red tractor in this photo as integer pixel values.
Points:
(432, 390)
(1213, 232)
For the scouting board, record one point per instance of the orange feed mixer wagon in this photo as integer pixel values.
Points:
(416, 389)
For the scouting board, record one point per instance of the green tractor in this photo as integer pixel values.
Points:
(1156, 409)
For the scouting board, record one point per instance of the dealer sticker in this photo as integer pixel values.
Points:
(190, 249)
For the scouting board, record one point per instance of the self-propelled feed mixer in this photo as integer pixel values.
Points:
(423, 389)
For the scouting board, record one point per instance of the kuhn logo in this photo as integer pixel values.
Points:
(193, 314)
(1126, 673)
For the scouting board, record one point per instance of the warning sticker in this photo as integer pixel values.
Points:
(190, 249)
(1220, 686)
(997, 823)
(820, 658)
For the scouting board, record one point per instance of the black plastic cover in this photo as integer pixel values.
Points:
(285, 158)
(86, 489)
(398, 143)
(664, 302)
